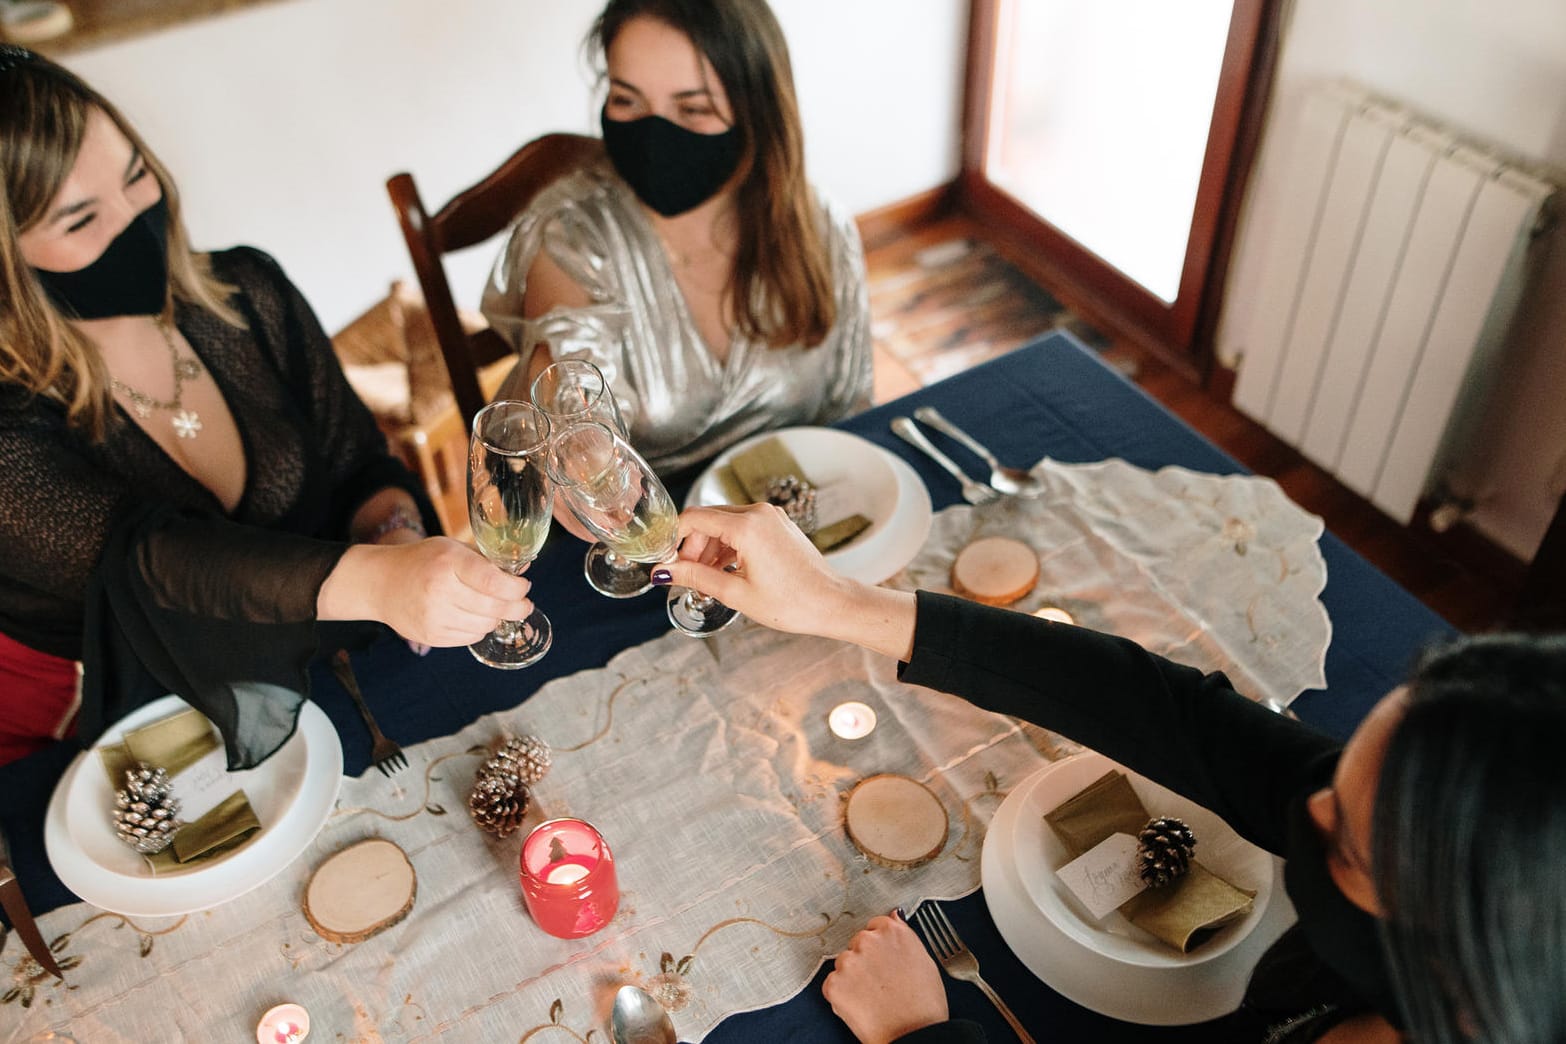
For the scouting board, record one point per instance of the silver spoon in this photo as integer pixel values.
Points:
(973, 492)
(639, 1019)
(1014, 482)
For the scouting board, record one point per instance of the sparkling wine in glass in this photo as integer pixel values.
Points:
(615, 493)
(574, 390)
(509, 505)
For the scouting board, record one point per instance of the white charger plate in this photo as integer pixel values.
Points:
(874, 483)
(1155, 995)
(292, 793)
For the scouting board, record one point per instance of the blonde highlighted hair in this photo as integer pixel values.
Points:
(43, 116)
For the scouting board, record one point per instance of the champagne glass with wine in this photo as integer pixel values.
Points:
(615, 493)
(510, 500)
(573, 390)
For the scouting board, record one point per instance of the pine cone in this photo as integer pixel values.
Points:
(797, 498)
(498, 802)
(146, 812)
(1163, 852)
(526, 757)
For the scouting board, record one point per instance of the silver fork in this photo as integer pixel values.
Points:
(958, 960)
(973, 492)
(384, 754)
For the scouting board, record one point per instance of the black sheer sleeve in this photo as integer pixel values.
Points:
(1187, 730)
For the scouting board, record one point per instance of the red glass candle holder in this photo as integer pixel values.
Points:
(568, 879)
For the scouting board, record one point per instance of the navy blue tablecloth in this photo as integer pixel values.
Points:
(1052, 398)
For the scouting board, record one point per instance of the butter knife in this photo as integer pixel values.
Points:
(21, 917)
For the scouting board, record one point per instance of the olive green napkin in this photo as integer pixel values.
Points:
(175, 743)
(1184, 913)
(749, 472)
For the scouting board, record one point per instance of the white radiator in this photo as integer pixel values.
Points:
(1383, 292)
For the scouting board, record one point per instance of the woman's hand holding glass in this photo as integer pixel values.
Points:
(434, 592)
(509, 505)
(757, 561)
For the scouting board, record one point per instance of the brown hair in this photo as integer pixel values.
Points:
(781, 291)
(43, 115)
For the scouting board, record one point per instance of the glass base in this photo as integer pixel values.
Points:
(514, 645)
(698, 615)
(613, 576)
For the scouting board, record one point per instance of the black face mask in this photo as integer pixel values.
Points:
(671, 169)
(130, 277)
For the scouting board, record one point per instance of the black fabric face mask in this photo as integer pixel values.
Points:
(130, 277)
(670, 169)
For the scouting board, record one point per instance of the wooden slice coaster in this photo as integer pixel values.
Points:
(895, 821)
(995, 570)
(363, 889)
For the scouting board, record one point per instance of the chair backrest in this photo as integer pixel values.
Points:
(471, 217)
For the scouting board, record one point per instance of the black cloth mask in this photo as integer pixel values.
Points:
(670, 169)
(130, 277)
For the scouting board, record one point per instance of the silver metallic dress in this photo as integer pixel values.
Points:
(681, 404)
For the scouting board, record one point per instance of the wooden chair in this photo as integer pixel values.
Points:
(469, 218)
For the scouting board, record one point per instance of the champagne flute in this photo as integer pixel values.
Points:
(509, 504)
(573, 390)
(615, 493)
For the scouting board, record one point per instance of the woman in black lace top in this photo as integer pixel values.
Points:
(189, 484)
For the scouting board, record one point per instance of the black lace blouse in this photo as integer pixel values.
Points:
(113, 554)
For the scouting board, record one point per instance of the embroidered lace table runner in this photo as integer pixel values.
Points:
(711, 772)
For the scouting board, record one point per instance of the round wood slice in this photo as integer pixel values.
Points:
(363, 889)
(895, 821)
(995, 570)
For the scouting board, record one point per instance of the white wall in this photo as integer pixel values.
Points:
(282, 122)
(1496, 72)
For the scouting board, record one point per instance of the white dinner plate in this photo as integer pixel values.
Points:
(1156, 995)
(864, 479)
(292, 793)
(1037, 853)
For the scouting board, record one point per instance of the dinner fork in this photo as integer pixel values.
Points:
(958, 960)
(973, 492)
(384, 754)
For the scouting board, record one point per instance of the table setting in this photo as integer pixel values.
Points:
(650, 816)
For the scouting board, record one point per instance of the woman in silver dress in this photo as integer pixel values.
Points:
(695, 266)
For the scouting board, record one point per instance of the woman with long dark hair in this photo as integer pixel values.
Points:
(188, 483)
(1423, 856)
(695, 266)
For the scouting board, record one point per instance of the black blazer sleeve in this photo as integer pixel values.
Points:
(1187, 730)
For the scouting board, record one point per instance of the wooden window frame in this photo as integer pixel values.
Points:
(1182, 333)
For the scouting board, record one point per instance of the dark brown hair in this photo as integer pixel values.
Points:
(781, 290)
(1468, 840)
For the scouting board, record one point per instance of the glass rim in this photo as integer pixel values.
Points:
(601, 844)
(544, 436)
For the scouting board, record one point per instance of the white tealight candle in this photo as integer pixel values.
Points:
(284, 1024)
(1050, 612)
(851, 720)
(565, 873)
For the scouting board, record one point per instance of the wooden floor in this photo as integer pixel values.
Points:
(942, 300)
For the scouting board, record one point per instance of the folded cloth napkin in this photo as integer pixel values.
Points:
(751, 472)
(175, 743)
(1184, 913)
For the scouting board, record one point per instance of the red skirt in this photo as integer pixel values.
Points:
(39, 697)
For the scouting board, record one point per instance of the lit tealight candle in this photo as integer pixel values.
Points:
(852, 720)
(1050, 612)
(284, 1024)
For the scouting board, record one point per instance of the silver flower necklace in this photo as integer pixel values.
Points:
(186, 422)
